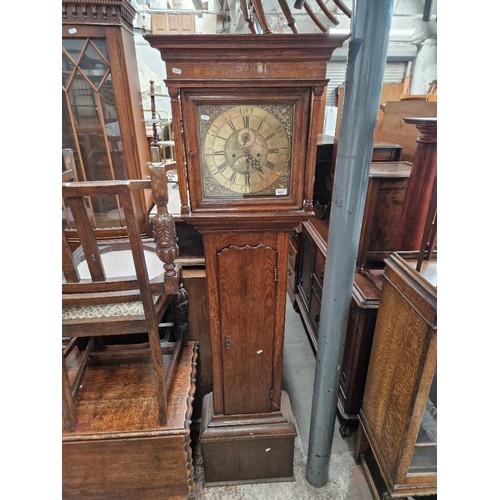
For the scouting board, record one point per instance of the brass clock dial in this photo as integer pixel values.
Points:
(245, 149)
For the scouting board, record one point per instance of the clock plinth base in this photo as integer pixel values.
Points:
(249, 448)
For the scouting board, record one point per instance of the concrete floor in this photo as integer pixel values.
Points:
(346, 480)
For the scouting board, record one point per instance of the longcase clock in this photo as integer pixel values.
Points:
(245, 116)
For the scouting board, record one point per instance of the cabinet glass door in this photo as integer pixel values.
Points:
(90, 120)
(424, 459)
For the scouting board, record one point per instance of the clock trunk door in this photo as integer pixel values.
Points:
(247, 291)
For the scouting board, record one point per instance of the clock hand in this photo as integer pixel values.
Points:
(247, 175)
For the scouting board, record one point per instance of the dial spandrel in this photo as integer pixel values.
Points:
(246, 149)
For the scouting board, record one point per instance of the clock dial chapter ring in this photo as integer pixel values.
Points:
(246, 149)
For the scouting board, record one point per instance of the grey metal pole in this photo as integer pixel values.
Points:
(371, 22)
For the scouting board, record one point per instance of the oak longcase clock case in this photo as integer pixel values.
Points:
(245, 117)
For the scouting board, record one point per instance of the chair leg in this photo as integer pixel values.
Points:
(180, 313)
(180, 317)
(68, 405)
(158, 373)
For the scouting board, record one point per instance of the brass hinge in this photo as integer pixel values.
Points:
(272, 394)
(275, 274)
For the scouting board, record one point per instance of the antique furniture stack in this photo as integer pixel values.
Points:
(388, 180)
(245, 121)
(400, 215)
(391, 335)
(397, 437)
(128, 372)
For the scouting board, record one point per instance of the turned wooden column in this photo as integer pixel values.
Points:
(419, 192)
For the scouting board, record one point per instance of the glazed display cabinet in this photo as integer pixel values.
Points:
(102, 115)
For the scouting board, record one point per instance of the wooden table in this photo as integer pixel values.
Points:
(118, 449)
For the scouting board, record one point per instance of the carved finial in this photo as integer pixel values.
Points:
(163, 226)
(167, 249)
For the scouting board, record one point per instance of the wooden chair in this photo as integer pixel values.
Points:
(100, 301)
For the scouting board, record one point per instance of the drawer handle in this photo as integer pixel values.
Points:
(316, 318)
(322, 273)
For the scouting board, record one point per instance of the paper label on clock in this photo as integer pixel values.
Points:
(281, 192)
(205, 117)
(176, 71)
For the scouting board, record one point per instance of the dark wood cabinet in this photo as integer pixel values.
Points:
(397, 438)
(326, 159)
(386, 191)
(361, 323)
(360, 327)
(385, 196)
(310, 275)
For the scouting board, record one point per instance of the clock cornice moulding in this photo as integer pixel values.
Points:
(247, 56)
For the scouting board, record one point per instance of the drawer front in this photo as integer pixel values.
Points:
(350, 342)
